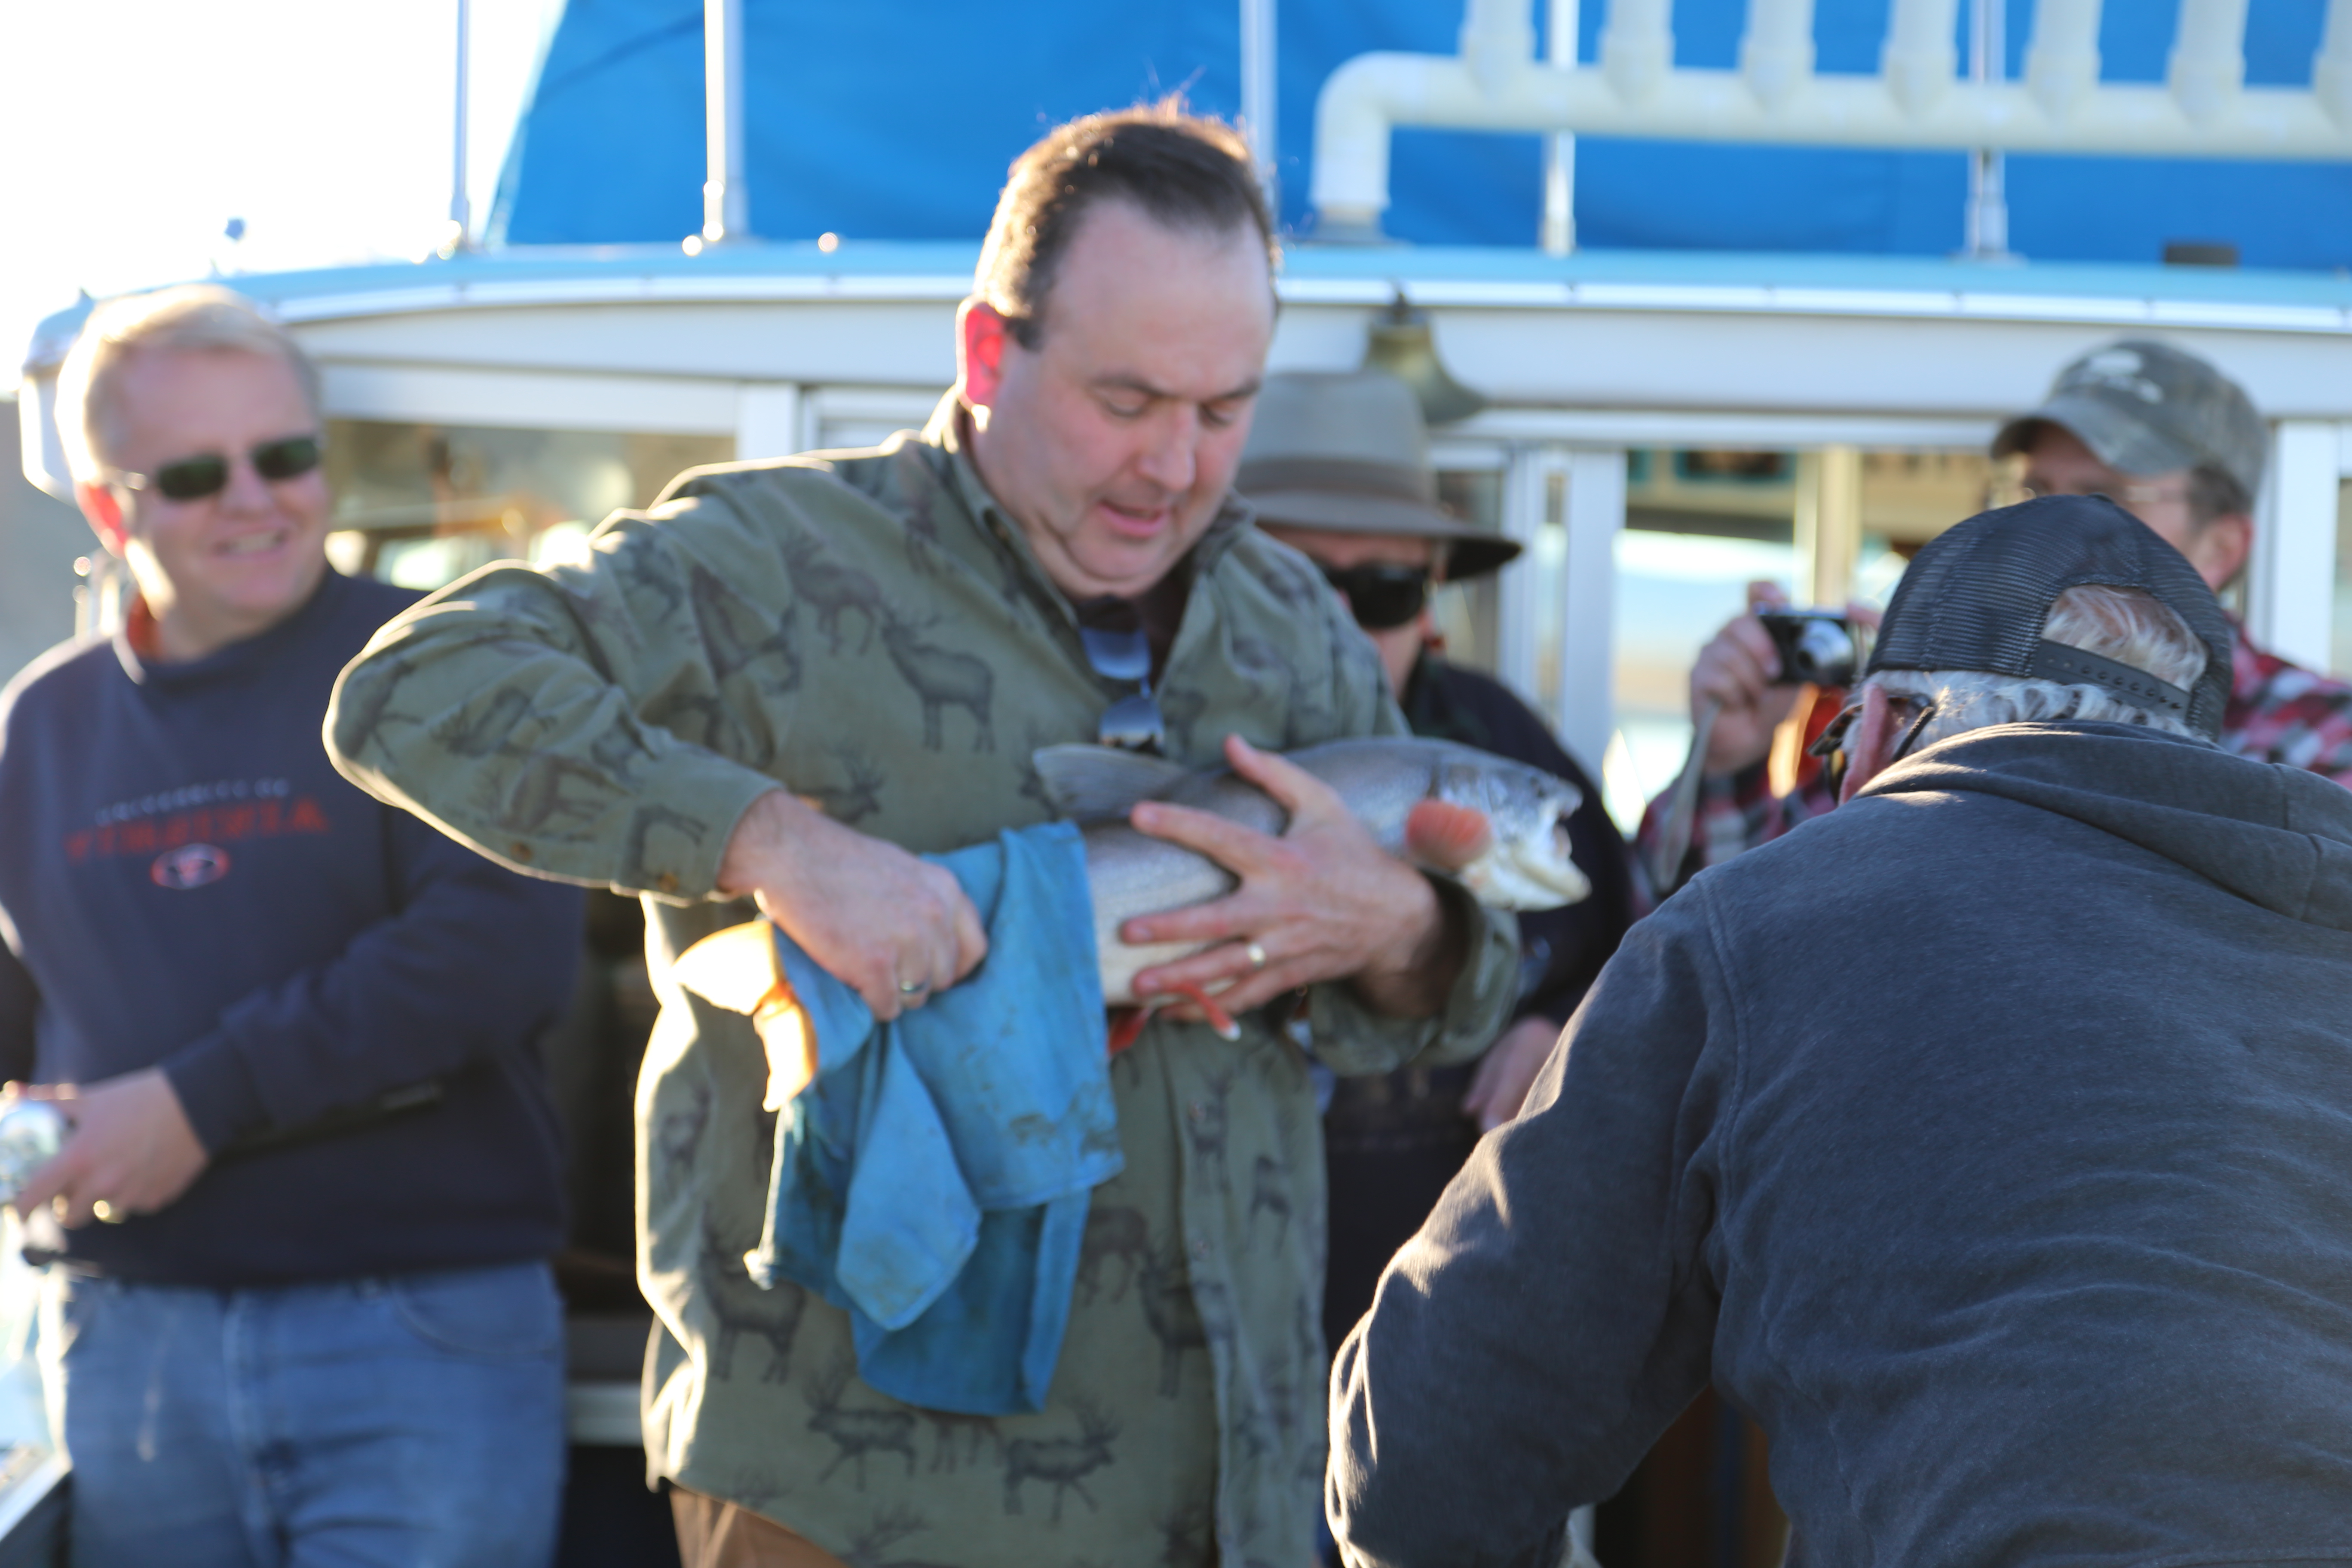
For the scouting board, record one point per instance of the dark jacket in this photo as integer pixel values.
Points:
(187, 881)
(1986, 1140)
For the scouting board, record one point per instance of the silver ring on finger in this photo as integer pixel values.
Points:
(913, 987)
(1256, 956)
(107, 1213)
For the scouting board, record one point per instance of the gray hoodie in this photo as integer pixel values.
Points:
(1989, 1141)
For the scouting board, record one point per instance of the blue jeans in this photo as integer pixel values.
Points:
(415, 1421)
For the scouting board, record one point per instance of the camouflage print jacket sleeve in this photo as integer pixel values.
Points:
(604, 724)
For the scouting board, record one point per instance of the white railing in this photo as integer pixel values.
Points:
(2203, 110)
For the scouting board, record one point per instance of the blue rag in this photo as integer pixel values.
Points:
(933, 1178)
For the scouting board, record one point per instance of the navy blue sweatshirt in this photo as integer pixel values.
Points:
(187, 881)
(1989, 1140)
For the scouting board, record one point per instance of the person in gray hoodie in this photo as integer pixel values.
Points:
(1986, 1140)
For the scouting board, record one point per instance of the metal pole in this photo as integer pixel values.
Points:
(460, 211)
(1558, 235)
(1260, 99)
(725, 195)
(1987, 221)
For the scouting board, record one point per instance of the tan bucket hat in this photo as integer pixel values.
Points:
(1346, 452)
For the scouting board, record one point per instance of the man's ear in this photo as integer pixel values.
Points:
(1868, 743)
(982, 333)
(103, 508)
(2219, 550)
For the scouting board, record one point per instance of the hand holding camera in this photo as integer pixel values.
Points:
(1751, 671)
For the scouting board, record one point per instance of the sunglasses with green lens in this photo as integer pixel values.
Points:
(207, 474)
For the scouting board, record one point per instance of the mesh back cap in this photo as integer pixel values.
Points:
(1976, 597)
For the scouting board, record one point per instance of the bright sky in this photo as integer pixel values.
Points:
(134, 130)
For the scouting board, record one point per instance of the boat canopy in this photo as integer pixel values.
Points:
(897, 121)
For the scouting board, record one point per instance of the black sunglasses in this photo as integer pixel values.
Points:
(1117, 649)
(193, 479)
(1382, 595)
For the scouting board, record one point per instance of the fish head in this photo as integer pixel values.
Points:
(1526, 865)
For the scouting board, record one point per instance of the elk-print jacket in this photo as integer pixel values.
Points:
(870, 630)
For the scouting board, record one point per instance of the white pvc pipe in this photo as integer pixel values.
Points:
(1920, 59)
(460, 210)
(2062, 62)
(2331, 72)
(726, 204)
(1258, 83)
(1558, 234)
(1498, 37)
(1371, 94)
(2209, 57)
(1987, 225)
(1777, 54)
(1637, 47)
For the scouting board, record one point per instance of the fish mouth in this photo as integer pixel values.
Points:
(1536, 870)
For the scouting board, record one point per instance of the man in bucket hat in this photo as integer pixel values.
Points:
(2169, 437)
(1985, 1140)
(1337, 468)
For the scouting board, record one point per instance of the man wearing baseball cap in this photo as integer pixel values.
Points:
(1337, 468)
(1984, 1143)
(2176, 444)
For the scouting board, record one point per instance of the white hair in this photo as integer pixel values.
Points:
(197, 318)
(2121, 624)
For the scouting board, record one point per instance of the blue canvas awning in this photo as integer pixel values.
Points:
(895, 119)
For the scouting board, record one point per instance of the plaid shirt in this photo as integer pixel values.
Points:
(2278, 712)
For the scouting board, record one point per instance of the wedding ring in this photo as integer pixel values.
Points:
(1256, 955)
(105, 1213)
(913, 987)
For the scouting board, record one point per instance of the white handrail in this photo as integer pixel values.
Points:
(1777, 54)
(1637, 49)
(1259, 37)
(1498, 36)
(726, 194)
(2331, 73)
(2061, 57)
(2204, 110)
(1920, 60)
(2209, 57)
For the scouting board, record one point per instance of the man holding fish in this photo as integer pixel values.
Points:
(1055, 560)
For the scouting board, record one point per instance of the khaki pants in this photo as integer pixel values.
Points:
(714, 1534)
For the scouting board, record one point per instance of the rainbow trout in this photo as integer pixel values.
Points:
(1526, 864)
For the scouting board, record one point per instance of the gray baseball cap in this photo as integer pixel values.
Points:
(2146, 407)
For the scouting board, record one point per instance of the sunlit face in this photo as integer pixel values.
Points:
(2058, 463)
(1399, 645)
(1113, 443)
(227, 566)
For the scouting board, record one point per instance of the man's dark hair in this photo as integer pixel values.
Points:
(1185, 171)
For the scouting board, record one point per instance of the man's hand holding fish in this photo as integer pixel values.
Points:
(1321, 902)
(896, 926)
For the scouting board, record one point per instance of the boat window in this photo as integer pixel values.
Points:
(422, 505)
(1700, 525)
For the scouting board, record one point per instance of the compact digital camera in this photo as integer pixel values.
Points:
(1817, 647)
